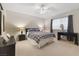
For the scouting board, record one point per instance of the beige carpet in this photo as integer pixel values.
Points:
(57, 48)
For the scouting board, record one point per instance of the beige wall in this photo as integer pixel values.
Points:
(76, 22)
(10, 28)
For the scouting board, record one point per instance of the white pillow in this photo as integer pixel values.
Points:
(4, 35)
(8, 35)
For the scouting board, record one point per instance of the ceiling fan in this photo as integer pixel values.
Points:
(42, 9)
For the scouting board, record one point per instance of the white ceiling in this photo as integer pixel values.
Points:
(30, 8)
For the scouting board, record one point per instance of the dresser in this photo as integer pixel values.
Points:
(70, 36)
(22, 37)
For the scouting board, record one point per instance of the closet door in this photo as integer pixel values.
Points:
(0, 23)
(3, 23)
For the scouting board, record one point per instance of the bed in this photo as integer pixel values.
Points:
(40, 39)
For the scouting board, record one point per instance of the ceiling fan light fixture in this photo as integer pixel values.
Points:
(43, 9)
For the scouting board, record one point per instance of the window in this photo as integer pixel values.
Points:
(57, 23)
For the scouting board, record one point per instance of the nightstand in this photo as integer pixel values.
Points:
(22, 37)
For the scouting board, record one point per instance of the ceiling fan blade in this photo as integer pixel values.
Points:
(51, 7)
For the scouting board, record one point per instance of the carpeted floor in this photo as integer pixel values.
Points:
(57, 48)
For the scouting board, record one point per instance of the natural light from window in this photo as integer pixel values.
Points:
(57, 23)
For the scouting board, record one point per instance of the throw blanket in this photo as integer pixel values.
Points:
(37, 36)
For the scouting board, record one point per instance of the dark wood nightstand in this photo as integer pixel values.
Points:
(22, 37)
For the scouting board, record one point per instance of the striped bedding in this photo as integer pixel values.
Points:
(38, 36)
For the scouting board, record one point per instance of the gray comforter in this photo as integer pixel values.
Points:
(38, 36)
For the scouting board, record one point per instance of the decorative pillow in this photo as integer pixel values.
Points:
(33, 29)
(8, 36)
(4, 35)
(2, 41)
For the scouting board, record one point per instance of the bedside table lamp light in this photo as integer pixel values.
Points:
(21, 29)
